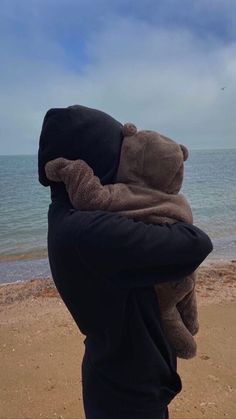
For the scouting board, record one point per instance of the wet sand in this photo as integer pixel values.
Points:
(41, 351)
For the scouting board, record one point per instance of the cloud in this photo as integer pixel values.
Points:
(168, 80)
(164, 77)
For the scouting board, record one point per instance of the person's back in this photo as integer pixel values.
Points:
(129, 369)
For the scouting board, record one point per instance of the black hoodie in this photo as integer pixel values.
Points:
(105, 266)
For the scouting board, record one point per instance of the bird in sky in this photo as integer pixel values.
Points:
(223, 88)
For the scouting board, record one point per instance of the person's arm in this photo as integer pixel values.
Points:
(84, 188)
(144, 254)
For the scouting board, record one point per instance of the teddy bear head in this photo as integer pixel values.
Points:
(151, 160)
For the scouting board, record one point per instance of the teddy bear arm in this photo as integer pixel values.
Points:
(84, 188)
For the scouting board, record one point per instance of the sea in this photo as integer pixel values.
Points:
(209, 185)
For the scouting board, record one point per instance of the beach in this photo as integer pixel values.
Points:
(42, 348)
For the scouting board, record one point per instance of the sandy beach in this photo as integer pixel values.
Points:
(41, 351)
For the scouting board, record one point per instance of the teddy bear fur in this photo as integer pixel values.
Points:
(148, 182)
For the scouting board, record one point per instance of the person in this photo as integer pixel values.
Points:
(148, 181)
(105, 267)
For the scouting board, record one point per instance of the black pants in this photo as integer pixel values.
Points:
(91, 389)
(92, 413)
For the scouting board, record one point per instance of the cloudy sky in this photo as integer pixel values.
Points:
(160, 64)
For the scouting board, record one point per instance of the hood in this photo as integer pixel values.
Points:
(80, 132)
(153, 161)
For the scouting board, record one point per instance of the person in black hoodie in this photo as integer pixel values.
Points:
(105, 267)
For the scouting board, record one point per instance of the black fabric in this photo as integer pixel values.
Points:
(104, 267)
(80, 132)
(131, 365)
(111, 412)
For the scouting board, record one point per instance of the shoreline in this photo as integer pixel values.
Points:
(211, 276)
(43, 254)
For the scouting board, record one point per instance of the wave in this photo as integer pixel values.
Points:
(26, 255)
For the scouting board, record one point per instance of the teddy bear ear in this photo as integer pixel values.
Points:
(129, 129)
(185, 151)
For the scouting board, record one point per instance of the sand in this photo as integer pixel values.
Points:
(41, 351)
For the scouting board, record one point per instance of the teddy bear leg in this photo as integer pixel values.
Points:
(178, 335)
(169, 295)
(187, 308)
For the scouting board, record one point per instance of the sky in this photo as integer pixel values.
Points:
(167, 65)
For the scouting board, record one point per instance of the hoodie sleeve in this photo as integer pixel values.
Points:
(136, 254)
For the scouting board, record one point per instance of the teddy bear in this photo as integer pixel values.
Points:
(146, 188)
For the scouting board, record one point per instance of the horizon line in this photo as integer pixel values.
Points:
(191, 149)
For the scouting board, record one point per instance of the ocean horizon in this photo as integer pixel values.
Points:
(209, 185)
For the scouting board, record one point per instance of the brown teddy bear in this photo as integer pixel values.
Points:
(148, 182)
